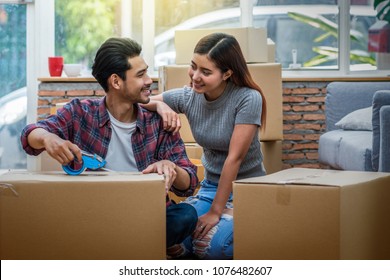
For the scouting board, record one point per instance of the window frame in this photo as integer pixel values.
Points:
(344, 44)
(246, 6)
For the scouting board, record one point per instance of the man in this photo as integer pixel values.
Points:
(118, 129)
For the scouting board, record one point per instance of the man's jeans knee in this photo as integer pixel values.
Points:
(181, 222)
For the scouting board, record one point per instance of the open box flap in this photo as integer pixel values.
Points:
(319, 177)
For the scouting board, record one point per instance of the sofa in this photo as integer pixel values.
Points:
(357, 136)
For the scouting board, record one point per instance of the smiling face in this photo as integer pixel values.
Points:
(206, 77)
(136, 88)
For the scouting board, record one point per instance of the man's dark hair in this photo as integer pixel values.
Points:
(112, 58)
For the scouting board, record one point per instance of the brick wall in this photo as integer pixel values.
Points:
(303, 123)
(52, 93)
(303, 114)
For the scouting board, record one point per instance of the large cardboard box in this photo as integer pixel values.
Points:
(267, 75)
(96, 215)
(312, 214)
(272, 156)
(253, 42)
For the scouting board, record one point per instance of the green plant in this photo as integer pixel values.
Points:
(383, 9)
(82, 26)
(326, 53)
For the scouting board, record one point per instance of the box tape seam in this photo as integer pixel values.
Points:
(283, 194)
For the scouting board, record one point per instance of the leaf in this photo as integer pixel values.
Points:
(318, 22)
(383, 9)
(327, 54)
(317, 60)
(329, 51)
(322, 37)
(323, 23)
(362, 56)
(378, 2)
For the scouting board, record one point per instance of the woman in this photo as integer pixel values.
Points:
(225, 109)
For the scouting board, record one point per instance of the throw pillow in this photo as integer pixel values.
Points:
(357, 120)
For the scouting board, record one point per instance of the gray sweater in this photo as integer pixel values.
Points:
(212, 124)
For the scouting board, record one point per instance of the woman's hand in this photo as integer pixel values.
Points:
(171, 120)
(205, 223)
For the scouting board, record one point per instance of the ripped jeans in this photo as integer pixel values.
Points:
(218, 243)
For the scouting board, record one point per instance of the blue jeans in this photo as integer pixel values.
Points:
(220, 245)
(181, 222)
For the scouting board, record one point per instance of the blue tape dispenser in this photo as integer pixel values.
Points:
(90, 161)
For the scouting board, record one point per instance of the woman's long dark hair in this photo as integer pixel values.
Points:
(225, 51)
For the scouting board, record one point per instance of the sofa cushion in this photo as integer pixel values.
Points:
(357, 120)
(384, 151)
(343, 98)
(346, 149)
(381, 98)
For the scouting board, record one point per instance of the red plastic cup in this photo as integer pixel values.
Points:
(56, 64)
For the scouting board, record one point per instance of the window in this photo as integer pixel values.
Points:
(309, 29)
(13, 97)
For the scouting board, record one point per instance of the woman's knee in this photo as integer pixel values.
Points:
(218, 242)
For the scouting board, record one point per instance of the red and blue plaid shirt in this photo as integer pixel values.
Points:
(86, 123)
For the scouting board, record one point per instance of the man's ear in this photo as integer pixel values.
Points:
(115, 81)
(227, 74)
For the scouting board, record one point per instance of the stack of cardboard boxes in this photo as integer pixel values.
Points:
(259, 53)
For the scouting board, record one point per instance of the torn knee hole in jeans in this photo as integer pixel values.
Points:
(176, 251)
(227, 215)
(201, 246)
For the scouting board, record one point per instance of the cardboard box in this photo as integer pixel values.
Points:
(267, 75)
(193, 150)
(272, 156)
(312, 214)
(96, 215)
(200, 168)
(48, 163)
(185, 130)
(253, 42)
(271, 50)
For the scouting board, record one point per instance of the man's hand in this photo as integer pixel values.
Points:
(61, 150)
(171, 120)
(163, 167)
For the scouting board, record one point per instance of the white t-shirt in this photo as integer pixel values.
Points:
(120, 156)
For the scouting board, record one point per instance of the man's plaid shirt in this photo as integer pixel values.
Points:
(86, 123)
